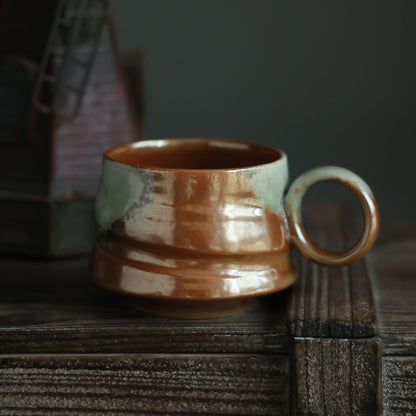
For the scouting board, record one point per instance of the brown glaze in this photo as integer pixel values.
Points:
(193, 223)
(125, 268)
(195, 154)
(200, 220)
(175, 283)
(190, 254)
(196, 238)
(209, 212)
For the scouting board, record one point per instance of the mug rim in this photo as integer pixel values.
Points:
(157, 143)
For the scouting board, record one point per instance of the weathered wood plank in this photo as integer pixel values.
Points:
(336, 377)
(146, 385)
(394, 283)
(399, 386)
(51, 307)
(331, 302)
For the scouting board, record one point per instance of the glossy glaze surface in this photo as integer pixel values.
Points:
(179, 275)
(197, 222)
(192, 234)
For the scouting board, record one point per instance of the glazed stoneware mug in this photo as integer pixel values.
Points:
(201, 227)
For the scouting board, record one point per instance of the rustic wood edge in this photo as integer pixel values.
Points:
(399, 385)
(153, 384)
(336, 377)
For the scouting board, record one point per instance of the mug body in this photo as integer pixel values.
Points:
(192, 227)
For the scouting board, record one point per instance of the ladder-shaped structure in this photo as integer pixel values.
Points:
(76, 22)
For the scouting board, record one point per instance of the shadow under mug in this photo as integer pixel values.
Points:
(201, 227)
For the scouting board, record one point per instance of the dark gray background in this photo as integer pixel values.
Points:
(328, 82)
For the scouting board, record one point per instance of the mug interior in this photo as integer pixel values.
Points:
(193, 154)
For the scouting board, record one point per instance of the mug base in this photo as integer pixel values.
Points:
(191, 287)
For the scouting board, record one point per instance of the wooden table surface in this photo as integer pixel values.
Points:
(342, 341)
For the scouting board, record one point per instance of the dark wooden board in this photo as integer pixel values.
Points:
(52, 307)
(336, 377)
(399, 386)
(394, 283)
(332, 301)
(143, 385)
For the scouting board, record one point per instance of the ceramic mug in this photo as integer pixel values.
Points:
(198, 227)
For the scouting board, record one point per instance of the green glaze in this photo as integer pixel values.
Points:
(120, 187)
(269, 183)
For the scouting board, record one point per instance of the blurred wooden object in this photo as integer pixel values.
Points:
(50, 166)
(319, 348)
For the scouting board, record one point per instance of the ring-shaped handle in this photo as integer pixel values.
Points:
(299, 236)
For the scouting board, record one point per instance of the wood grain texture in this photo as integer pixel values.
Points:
(394, 282)
(51, 307)
(336, 377)
(144, 385)
(331, 302)
(399, 386)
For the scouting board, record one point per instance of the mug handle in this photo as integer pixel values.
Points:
(294, 215)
